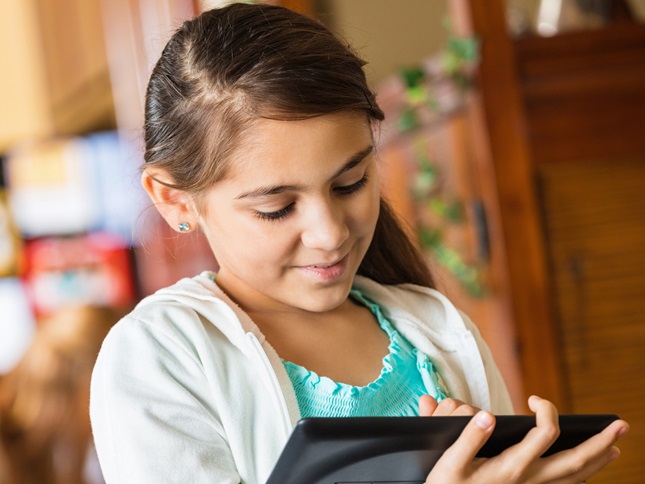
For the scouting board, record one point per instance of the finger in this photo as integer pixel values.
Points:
(427, 406)
(573, 473)
(447, 407)
(465, 410)
(597, 464)
(587, 458)
(461, 453)
(538, 440)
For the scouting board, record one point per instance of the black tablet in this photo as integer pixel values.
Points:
(402, 450)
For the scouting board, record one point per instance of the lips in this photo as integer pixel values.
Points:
(325, 266)
(326, 271)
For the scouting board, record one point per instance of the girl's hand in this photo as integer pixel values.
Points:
(428, 407)
(521, 463)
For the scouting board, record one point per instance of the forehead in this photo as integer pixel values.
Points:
(274, 148)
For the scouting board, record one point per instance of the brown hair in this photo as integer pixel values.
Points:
(231, 66)
(44, 420)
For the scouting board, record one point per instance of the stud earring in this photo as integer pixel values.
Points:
(184, 227)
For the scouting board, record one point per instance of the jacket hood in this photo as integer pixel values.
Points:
(401, 301)
(204, 296)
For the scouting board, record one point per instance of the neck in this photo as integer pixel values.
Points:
(289, 317)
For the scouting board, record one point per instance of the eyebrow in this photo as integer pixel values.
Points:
(277, 189)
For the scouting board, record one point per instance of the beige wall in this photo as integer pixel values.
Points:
(389, 33)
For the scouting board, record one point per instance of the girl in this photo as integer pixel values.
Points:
(258, 132)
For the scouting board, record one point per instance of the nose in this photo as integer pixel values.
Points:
(325, 228)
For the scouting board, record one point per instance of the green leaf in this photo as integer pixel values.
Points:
(454, 211)
(413, 76)
(408, 120)
(417, 95)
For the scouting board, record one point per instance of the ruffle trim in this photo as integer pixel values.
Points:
(306, 378)
(320, 395)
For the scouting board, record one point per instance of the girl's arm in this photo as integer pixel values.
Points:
(150, 411)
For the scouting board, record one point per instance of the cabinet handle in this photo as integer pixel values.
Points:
(481, 228)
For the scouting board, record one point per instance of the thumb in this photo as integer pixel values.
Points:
(461, 454)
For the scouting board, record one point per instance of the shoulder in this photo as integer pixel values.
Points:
(169, 310)
(185, 316)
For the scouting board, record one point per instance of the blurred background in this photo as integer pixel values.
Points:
(513, 149)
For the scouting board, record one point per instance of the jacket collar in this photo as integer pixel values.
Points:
(205, 297)
(419, 308)
(416, 304)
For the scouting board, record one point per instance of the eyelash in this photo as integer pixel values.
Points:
(354, 187)
(277, 215)
(283, 212)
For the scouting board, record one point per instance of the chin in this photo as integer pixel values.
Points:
(326, 299)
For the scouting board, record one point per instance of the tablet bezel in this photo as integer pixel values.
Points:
(320, 447)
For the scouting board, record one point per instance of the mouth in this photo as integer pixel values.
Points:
(326, 266)
(326, 271)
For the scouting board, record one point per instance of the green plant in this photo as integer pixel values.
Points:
(433, 91)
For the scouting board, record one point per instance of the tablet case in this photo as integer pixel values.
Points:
(402, 450)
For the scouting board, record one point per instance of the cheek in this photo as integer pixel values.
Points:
(364, 215)
(250, 243)
(370, 209)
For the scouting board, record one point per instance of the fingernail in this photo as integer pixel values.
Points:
(622, 431)
(484, 420)
(615, 453)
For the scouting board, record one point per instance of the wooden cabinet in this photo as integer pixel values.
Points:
(55, 73)
(76, 64)
(23, 90)
(564, 155)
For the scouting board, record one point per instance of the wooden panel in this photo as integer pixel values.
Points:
(595, 217)
(584, 93)
(24, 111)
(77, 67)
(490, 312)
(509, 194)
(304, 7)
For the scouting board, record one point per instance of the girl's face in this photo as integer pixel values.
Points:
(293, 219)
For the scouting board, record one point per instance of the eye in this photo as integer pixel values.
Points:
(277, 215)
(354, 187)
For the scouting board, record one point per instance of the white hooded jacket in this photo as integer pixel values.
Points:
(186, 388)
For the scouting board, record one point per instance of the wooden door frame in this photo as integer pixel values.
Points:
(509, 192)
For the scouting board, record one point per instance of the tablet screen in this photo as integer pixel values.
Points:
(402, 450)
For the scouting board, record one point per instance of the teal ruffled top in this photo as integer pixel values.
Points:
(406, 375)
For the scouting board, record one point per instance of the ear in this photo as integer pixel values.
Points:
(175, 206)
